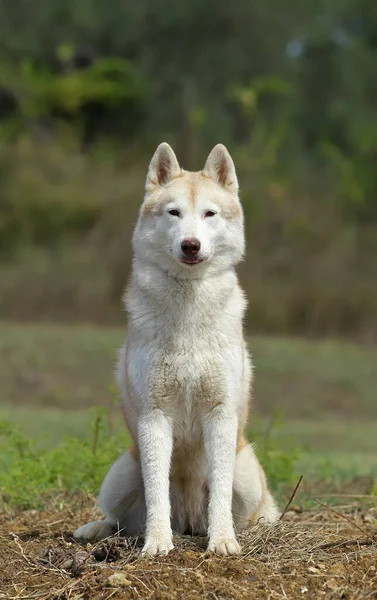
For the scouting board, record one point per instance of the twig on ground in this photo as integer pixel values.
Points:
(369, 496)
(291, 498)
(330, 509)
(341, 543)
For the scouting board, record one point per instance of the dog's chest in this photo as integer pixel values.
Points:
(186, 346)
(187, 380)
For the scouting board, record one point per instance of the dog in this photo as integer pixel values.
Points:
(184, 372)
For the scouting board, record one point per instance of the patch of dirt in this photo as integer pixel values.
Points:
(323, 553)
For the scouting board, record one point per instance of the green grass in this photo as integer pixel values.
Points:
(31, 474)
(350, 444)
(326, 390)
(71, 366)
(315, 379)
(61, 366)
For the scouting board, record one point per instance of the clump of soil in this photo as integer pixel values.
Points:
(317, 553)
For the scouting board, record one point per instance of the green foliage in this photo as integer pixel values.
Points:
(110, 93)
(29, 474)
(111, 81)
(280, 463)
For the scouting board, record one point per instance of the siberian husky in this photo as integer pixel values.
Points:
(184, 371)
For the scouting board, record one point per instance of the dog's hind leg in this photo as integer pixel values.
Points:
(252, 500)
(94, 531)
(122, 501)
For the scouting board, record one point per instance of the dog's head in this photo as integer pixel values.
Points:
(190, 223)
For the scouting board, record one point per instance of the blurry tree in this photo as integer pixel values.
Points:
(104, 95)
(290, 86)
(86, 60)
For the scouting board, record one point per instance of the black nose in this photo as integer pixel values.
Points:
(190, 247)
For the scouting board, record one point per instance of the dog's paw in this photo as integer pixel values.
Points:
(156, 546)
(224, 546)
(94, 531)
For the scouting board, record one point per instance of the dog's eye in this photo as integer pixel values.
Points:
(209, 213)
(174, 212)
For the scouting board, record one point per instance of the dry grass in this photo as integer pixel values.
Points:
(324, 553)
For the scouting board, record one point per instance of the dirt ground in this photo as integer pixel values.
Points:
(318, 553)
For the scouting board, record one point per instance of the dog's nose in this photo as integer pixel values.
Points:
(190, 247)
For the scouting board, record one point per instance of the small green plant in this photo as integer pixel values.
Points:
(279, 464)
(29, 474)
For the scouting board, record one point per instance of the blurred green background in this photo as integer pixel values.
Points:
(88, 89)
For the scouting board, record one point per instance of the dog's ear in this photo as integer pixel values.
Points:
(220, 167)
(163, 167)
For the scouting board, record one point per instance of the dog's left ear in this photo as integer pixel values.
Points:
(220, 167)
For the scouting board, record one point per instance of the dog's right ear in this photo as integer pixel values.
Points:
(163, 167)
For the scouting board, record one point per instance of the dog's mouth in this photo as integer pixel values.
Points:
(195, 260)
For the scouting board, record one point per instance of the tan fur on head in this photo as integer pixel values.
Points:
(166, 178)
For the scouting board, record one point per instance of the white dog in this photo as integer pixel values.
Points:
(184, 372)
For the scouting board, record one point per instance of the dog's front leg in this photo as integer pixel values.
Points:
(156, 443)
(220, 438)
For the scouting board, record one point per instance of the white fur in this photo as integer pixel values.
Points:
(184, 372)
